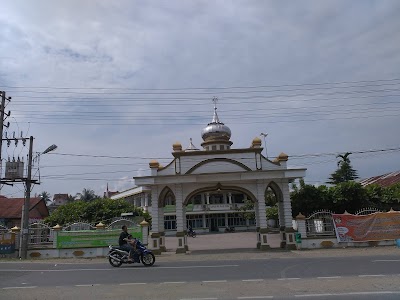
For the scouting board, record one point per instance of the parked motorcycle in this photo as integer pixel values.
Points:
(230, 229)
(191, 233)
(117, 257)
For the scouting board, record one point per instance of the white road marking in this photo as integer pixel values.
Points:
(120, 269)
(199, 299)
(346, 294)
(256, 297)
(293, 278)
(133, 283)
(83, 285)
(329, 277)
(386, 260)
(252, 280)
(19, 287)
(376, 275)
(173, 282)
(214, 281)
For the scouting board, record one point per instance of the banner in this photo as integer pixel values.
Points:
(374, 227)
(93, 238)
(7, 243)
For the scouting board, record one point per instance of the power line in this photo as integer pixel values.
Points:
(213, 88)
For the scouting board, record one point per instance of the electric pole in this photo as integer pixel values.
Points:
(25, 212)
(2, 114)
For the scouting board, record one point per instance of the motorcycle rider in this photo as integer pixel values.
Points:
(126, 243)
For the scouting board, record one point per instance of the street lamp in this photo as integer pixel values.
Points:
(265, 144)
(27, 200)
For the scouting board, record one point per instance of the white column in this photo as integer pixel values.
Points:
(207, 198)
(155, 210)
(287, 206)
(142, 200)
(262, 217)
(146, 201)
(180, 226)
(230, 198)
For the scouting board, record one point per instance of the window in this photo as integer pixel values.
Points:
(221, 147)
(169, 199)
(238, 198)
(196, 221)
(170, 222)
(216, 199)
(214, 148)
(236, 220)
(196, 199)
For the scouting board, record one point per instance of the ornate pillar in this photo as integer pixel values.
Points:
(155, 222)
(230, 198)
(207, 198)
(180, 226)
(287, 216)
(263, 231)
(146, 202)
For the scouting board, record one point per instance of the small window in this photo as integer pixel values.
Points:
(214, 147)
(222, 147)
(228, 147)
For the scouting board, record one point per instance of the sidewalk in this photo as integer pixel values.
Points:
(234, 246)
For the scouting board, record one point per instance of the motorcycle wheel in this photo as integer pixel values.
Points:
(113, 262)
(193, 234)
(148, 259)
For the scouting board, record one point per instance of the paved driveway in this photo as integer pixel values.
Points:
(236, 240)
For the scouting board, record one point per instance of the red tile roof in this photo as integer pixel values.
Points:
(11, 208)
(384, 180)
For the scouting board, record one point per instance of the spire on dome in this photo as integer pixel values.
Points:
(215, 117)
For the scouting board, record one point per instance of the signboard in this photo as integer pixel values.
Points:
(374, 227)
(7, 243)
(93, 238)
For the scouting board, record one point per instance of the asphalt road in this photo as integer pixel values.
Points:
(366, 277)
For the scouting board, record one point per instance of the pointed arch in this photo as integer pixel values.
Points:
(167, 196)
(276, 190)
(220, 187)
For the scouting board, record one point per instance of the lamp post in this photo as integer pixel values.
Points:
(265, 144)
(27, 200)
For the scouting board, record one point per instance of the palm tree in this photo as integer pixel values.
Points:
(71, 198)
(87, 195)
(46, 197)
(345, 171)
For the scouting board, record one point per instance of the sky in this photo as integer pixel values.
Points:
(115, 83)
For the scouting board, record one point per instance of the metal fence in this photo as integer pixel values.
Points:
(320, 223)
(40, 235)
(367, 211)
(78, 226)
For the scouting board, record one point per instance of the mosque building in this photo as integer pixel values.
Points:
(206, 188)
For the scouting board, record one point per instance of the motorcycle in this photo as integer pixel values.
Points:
(191, 233)
(230, 229)
(117, 256)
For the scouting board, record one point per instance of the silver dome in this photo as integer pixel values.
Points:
(216, 130)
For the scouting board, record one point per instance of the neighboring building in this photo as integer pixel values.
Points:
(384, 180)
(203, 188)
(11, 210)
(138, 196)
(58, 200)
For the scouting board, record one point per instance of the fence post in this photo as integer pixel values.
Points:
(100, 226)
(301, 225)
(16, 231)
(56, 229)
(145, 232)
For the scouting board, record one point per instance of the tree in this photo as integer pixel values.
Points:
(46, 197)
(87, 195)
(71, 198)
(344, 172)
(94, 211)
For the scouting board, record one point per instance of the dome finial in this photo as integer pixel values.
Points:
(215, 117)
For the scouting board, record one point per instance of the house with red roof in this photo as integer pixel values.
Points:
(384, 180)
(11, 210)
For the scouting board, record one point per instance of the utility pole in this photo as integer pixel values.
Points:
(2, 114)
(25, 212)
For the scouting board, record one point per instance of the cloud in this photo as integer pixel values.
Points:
(112, 57)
